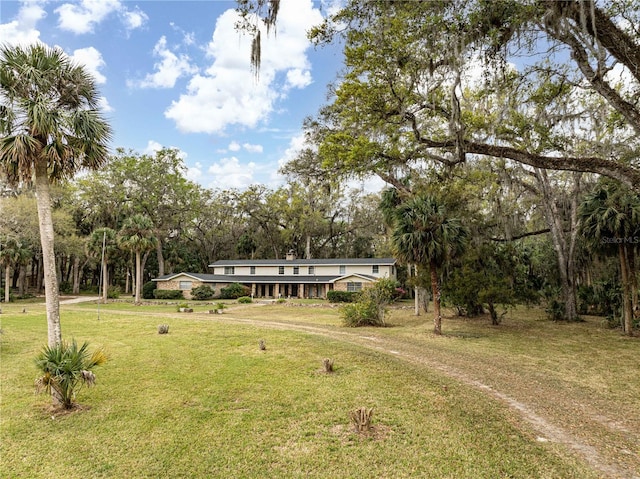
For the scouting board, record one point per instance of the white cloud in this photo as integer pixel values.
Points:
(194, 173)
(22, 30)
(229, 173)
(234, 146)
(103, 105)
(252, 148)
(133, 19)
(152, 147)
(168, 70)
(82, 17)
(92, 60)
(227, 93)
(298, 78)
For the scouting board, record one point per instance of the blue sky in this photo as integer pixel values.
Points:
(177, 74)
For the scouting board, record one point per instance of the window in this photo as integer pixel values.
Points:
(296, 270)
(229, 270)
(280, 269)
(185, 285)
(353, 287)
(343, 269)
(375, 269)
(312, 270)
(252, 270)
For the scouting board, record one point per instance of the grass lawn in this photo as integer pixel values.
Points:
(205, 401)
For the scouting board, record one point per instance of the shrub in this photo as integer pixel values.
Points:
(148, 289)
(361, 419)
(370, 308)
(234, 291)
(66, 287)
(202, 293)
(245, 300)
(361, 313)
(65, 369)
(342, 296)
(168, 294)
(163, 329)
(113, 292)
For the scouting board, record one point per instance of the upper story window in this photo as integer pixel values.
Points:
(375, 269)
(229, 270)
(184, 285)
(252, 270)
(312, 270)
(296, 270)
(280, 269)
(343, 269)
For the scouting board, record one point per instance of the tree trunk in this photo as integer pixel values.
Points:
(307, 248)
(435, 289)
(22, 280)
(138, 277)
(52, 299)
(160, 258)
(563, 246)
(75, 275)
(105, 281)
(7, 286)
(627, 311)
(416, 291)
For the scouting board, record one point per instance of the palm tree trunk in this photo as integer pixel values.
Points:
(435, 289)
(105, 281)
(627, 310)
(138, 276)
(416, 291)
(7, 275)
(52, 299)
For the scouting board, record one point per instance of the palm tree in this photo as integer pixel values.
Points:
(103, 244)
(610, 217)
(137, 236)
(65, 368)
(8, 256)
(424, 235)
(50, 128)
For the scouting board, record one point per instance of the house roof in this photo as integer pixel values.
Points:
(303, 262)
(274, 279)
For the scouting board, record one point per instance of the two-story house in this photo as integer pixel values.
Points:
(286, 278)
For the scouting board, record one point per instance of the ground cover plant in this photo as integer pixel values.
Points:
(205, 401)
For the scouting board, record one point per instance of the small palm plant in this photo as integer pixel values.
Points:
(65, 369)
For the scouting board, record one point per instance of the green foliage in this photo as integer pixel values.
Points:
(245, 300)
(234, 291)
(334, 296)
(11, 296)
(66, 287)
(168, 294)
(113, 292)
(148, 289)
(202, 293)
(65, 369)
(602, 298)
(370, 307)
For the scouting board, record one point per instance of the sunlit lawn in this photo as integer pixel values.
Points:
(205, 401)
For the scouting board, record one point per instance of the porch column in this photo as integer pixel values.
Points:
(276, 291)
(301, 291)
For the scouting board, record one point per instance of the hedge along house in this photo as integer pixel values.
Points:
(286, 278)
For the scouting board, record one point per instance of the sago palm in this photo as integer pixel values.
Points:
(50, 127)
(423, 234)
